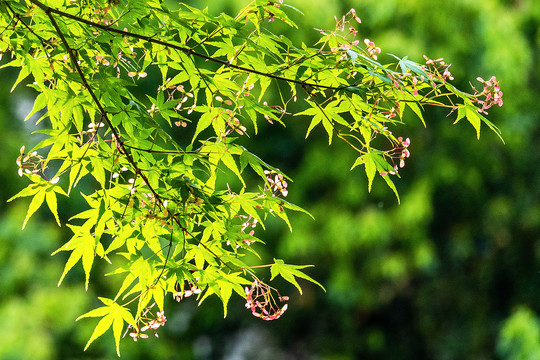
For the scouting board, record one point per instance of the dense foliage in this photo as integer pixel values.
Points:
(326, 111)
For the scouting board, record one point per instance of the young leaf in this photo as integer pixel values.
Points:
(30, 190)
(370, 167)
(392, 186)
(72, 260)
(290, 272)
(118, 325)
(103, 325)
(99, 312)
(474, 118)
(36, 202)
(225, 292)
(205, 121)
(50, 198)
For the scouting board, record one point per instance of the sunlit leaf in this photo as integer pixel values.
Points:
(290, 273)
(36, 202)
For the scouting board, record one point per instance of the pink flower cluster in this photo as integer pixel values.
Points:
(491, 92)
(181, 293)
(276, 4)
(249, 223)
(405, 153)
(261, 302)
(400, 151)
(344, 21)
(29, 163)
(235, 124)
(437, 69)
(276, 183)
(392, 113)
(154, 324)
(372, 49)
(341, 24)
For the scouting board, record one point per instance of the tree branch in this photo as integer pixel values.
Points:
(185, 50)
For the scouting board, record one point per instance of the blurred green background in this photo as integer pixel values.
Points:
(451, 273)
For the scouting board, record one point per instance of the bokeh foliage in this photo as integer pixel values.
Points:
(439, 276)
